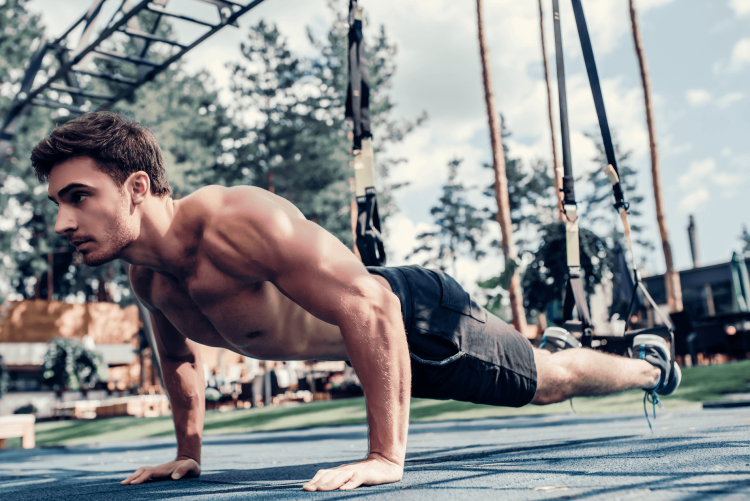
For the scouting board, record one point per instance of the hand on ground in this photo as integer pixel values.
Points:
(180, 468)
(374, 470)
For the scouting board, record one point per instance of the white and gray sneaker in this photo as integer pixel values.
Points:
(557, 339)
(655, 350)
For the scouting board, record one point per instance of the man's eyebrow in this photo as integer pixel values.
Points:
(69, 187)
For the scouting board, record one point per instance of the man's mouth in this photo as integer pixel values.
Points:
(78, 243)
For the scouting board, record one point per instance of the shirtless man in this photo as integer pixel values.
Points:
(242, 269)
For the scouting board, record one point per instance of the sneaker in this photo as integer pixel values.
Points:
(557, 339)
(655, 350)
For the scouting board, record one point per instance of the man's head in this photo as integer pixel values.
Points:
(99, 167)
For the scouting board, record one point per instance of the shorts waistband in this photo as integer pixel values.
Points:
(400, 287)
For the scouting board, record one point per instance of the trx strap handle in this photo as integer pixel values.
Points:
(369, 238)
(596, 91)
(368, 233)
(575, 294)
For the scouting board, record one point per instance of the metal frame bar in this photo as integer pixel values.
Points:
(123, 21)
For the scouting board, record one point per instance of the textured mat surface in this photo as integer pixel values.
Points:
(691, 455)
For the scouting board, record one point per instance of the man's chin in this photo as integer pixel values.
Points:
(93, 260)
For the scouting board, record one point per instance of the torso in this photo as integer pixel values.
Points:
(253, 318)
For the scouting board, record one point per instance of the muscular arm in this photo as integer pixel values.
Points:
(261, 239)
(182, 373)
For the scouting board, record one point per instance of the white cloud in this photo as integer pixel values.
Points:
(645, 5)
(698, 97)
(698, 170)
(728, 99)
(692, 201)
(740, 7)
(740, 55)
(726, 179)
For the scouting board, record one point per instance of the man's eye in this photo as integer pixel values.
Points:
(78, 197)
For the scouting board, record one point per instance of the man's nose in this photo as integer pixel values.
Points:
(64, 222)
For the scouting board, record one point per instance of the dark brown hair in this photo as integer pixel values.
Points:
(120, 146)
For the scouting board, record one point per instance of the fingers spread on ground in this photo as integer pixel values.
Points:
(312, 484)
(329, 483)
(353, 482)
(133, 476)
(142, 477)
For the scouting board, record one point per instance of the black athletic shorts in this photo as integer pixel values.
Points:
(458, 349)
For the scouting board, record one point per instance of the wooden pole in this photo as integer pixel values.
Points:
(556, 166)
(501, 179)
(671, 277)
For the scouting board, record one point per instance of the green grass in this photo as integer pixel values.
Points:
(699, 384)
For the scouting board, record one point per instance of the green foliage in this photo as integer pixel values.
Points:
(4, 378)
(170, 105)
(69, 364)
(532, 203)
(290, 131)
(503, 281)
(745, 239)
(544, 279)
(531, 196)
(26, 409)
(460, 226)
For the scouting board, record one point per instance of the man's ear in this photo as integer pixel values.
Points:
(138, 186)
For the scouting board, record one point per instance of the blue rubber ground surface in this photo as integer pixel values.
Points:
(691, 455)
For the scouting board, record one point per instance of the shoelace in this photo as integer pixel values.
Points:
(653, 398)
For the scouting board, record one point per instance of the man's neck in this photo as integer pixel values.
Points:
(158, 246)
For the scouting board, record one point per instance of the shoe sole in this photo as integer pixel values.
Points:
(674, 382)
(659, 343)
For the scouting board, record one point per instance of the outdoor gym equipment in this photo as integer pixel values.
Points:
(575, 295)
(65, 89)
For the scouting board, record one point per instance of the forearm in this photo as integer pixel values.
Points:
(185, 385)
(378, 351)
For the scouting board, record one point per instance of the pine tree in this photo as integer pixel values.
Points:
(460, 226)
(168, 105)
(531, 196)
(532, 206)
(295, 142)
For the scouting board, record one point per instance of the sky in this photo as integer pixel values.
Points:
(698, 55)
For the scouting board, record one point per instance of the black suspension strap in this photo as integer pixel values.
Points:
(575, 295)
(614, 176)
(368, 234)
(601, 113)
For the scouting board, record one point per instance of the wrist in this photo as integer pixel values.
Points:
(185, 457)
(396, 460)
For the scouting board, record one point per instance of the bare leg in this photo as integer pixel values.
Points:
(583, 372)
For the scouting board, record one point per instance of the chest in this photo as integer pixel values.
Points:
(211, 307)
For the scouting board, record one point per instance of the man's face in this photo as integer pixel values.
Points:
(92, 212)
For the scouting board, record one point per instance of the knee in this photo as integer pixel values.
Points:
(553, 380)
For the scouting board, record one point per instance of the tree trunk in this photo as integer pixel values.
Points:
(501, 180)
(671, 277)
(556, 166)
